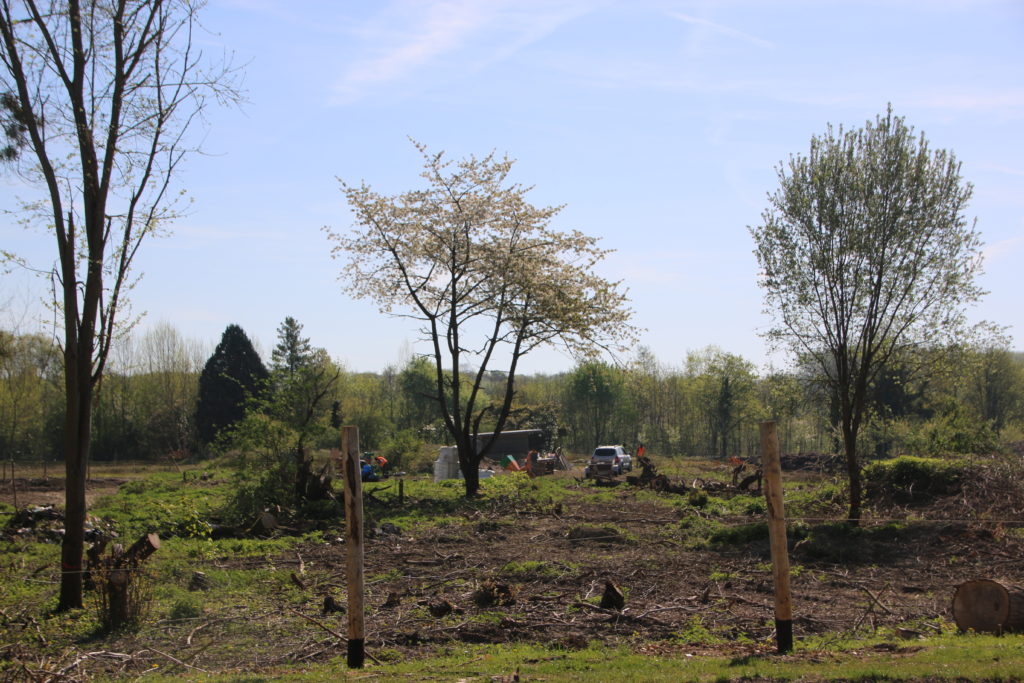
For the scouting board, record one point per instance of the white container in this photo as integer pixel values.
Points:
(447, 464)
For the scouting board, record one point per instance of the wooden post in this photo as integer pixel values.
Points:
(354, 545)
(771, 462)
(401, 492)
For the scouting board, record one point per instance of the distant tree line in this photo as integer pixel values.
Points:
(166, 396)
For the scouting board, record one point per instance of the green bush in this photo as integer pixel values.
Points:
(953, 432)
(910, 479)
(253, 495)
(740, 534)
(406, 451)
(697, 498)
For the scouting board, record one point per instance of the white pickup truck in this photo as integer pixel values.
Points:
(606, 460)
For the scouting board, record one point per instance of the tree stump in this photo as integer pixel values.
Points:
(119, 583)
(987, 606)
(613, 598)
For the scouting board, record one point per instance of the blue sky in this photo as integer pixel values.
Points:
(658, 124)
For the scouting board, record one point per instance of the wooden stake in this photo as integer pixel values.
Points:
(771, 462)
(354, 545)
(401, 492)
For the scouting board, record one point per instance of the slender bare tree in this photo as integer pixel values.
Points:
(107, 92)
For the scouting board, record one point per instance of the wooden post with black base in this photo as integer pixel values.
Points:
(354, 545)
(771, 462)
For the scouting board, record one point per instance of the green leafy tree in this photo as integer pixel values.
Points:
(232, 376)
(168, 372)
(865, 251)
(645, 389)
(29, 374)
(997, 387)
(487, 279)
(363, 404)
(419, 393)
(595, 392)
(102, 94)
(304, 382)
(784, 397)
(724, 385)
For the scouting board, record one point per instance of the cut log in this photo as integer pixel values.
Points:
(140, 550)
(987, 606)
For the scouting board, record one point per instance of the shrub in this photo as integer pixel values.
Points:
(910, 479)
(405, 450)
(740, 534)
(697, 498)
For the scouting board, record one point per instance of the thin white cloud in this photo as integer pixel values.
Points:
(721, 28)
(995, 100)
(444, 28)
(1003, 248)
(414, 35)
(1003, 169)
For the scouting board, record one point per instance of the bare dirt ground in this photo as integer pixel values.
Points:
(50, 490)
(519, 572)
(908, 577)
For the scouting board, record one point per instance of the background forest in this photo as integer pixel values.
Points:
(943, 400)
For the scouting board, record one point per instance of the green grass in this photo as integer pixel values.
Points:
(948, 657)
(532, 570)
(162, 503)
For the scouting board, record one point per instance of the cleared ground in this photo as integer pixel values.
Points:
(529, 563)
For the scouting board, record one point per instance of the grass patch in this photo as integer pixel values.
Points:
(164, 504)
(944, 658)
(534, 570)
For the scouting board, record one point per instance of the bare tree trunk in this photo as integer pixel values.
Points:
(77, 423)
(303, 474)
(469, 463)
(853, 472)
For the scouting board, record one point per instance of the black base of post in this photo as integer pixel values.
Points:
(783, 635)
(356, 653)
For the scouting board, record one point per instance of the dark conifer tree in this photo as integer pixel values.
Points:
(233, 374)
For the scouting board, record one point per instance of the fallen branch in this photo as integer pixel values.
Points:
(176, 660)
(330, 630)
(620, 615)
(666, 609)
(876, 600)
